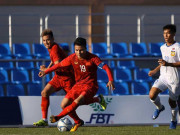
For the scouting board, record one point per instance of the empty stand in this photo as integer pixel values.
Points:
(21, 49)
(119, 49)
(34, 89)
(20, 75)
(15, 90)
(102, 89)
(140, 88)
(122, 75)
(39, 50)
(141, 75)
(154, 49)
(121, 88)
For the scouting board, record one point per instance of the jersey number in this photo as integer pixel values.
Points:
(83, 68)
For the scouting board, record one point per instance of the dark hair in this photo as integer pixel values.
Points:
(80, 41)
(171, 27)
(47, 32)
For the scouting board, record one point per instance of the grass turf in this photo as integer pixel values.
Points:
(121, 130)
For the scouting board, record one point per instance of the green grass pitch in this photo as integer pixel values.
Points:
(119, 130)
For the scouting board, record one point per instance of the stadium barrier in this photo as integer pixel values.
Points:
(121, 110)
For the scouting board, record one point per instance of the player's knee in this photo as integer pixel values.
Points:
(44, 94)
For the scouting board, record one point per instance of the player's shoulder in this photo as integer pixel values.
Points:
(55, 46)
(91, 55)
(177, 44)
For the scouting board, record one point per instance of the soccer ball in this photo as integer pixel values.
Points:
(64, 124)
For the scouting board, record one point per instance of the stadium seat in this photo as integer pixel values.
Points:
(1, 91)
(154, 49)
(100, 49)
(20, 50)
(121, 88)
(102, 75)
(6, 64)
(140, 88)
(15, 90)
(102, 89)
(119, 49)
(36, 78)
(5, 50)
(34, 89)
(3, 76)
(126, 63)
(141, 75)
(46, 63)
(121, 75)
(110, 63)
(64, 46)
(25, 64)
(19, 75)
(138, 49)
(39, 50)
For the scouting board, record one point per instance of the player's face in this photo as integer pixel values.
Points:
(80, 51)
(48, 41)
(168, 36)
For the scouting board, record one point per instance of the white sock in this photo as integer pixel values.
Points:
(157, 102)
(174, 112)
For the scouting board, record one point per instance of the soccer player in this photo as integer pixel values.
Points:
(63, 79)
(85, 66)
(169, 75)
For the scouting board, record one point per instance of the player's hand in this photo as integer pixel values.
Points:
(111, 86)
(41, 74)
(43, 68)
(162, 62)
(151, 73)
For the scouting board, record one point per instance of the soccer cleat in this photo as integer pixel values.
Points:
(53, 119)
(173, 125)
(157, 112)
(76, 126)
(102, 102)
(41, 123)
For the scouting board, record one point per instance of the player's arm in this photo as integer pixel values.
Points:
(61, 64)
(164, 63)
(110, 84)
(154, 71)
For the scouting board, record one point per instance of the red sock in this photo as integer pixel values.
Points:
(44, 106)
(67, 110)
(75, 117)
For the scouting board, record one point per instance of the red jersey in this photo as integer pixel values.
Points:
(56, 53)
(85, 70)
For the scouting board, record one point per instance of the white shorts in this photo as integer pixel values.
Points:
(174, 89)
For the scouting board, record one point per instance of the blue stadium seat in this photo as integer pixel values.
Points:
(64, 46)
(126, 63)
(140, 88)
(39, 63)
(5, 50)
(154, 49)
(121, 88)
(110, 63)
(102, 75)
(102, 89)
(34, 89)
(21, 49)
(100, 49)
(36, 78)
(141, 75)
(19, 75)
(119, 49)
(138, 49)
(121, 75)
(8, 64)
(3, 76)
(1, 91)
(39, 50)
(14, 90)
(25, 64)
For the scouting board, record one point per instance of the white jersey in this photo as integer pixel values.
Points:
(170, 54)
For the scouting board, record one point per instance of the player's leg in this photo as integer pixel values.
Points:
(174, 111)
(154, 98)
(46, 92)
(65, 102)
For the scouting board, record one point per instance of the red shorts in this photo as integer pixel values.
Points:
(58, 83)
(88, 91)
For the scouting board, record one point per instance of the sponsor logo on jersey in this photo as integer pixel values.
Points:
(75, 62)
